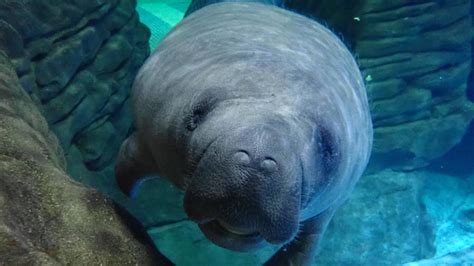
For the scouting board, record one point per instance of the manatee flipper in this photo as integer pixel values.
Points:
(302, 250)
(133, 163)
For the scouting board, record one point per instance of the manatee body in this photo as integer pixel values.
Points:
(260, 115)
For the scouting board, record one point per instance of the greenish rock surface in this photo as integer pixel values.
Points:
(46, 218)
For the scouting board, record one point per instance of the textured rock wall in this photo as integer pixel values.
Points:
(46, 218)
(77, 59)
(416, 59)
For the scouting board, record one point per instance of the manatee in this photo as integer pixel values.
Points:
(260, 116)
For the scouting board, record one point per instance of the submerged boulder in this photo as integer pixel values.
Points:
(46, 218)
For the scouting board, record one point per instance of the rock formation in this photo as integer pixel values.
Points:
(46, 218)
(77, 60)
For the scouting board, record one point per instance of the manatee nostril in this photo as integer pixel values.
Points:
(242, 157)
(269, 165)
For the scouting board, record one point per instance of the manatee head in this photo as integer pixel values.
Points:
(247, 158)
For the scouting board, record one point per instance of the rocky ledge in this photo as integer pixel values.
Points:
(46, 218)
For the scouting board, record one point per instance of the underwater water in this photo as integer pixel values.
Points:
(160, 17)
(66, 73)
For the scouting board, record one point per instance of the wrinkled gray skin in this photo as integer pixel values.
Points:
(260, 115)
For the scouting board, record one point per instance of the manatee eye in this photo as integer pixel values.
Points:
(199, 113)
(329, 150)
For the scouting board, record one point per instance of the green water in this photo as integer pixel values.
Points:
(161, 16)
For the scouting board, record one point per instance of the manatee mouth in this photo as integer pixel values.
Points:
(241, 232)
(225, 236)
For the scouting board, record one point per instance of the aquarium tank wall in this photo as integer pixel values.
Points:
(66, 75)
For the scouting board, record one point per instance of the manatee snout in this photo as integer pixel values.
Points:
(246, 189)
